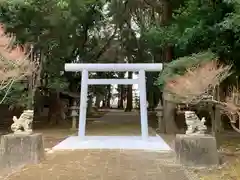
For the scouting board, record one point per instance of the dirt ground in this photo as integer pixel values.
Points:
(119, 164)
(101, 164)
(230, 157)
(69, 164)
(98, 164)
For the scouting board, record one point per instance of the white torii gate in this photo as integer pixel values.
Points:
(141, 81)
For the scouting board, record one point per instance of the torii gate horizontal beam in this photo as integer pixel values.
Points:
(118, 67)
(112, 81)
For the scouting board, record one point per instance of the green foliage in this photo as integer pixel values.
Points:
(16, 96)
(193, 28)
(57, 27)
(67, 29)
(58, 83)
(179, 66)
(61, 29)
(198, 26)
(232, 21)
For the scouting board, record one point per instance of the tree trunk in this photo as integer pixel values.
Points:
(38, 103)
(168, 107)
(216, 117)
(104, 103)
(121, 97)
(30, 86)
(150, 91)
(109, 96)
(218, 125)
(169, 117)
(129, 95)
(151, 100)
(34, 80)
(214, 112)
(166, 15)
(89, 104)
(98, 100)
(56, 112)
(121, 93)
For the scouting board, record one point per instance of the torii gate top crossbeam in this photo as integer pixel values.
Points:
(76, 67)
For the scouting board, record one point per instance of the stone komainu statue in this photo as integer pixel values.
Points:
(194, 124)
(23, 124)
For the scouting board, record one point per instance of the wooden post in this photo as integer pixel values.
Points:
(216, 122)
(218, 125)
(169, 117)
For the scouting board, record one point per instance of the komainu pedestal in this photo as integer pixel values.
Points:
(21, 149)
(196, 150)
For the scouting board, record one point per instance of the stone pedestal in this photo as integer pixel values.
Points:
(19, 150)
(196, 150)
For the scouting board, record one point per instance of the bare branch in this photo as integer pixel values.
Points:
(197, 85)
(15, 64)
(198, 82)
